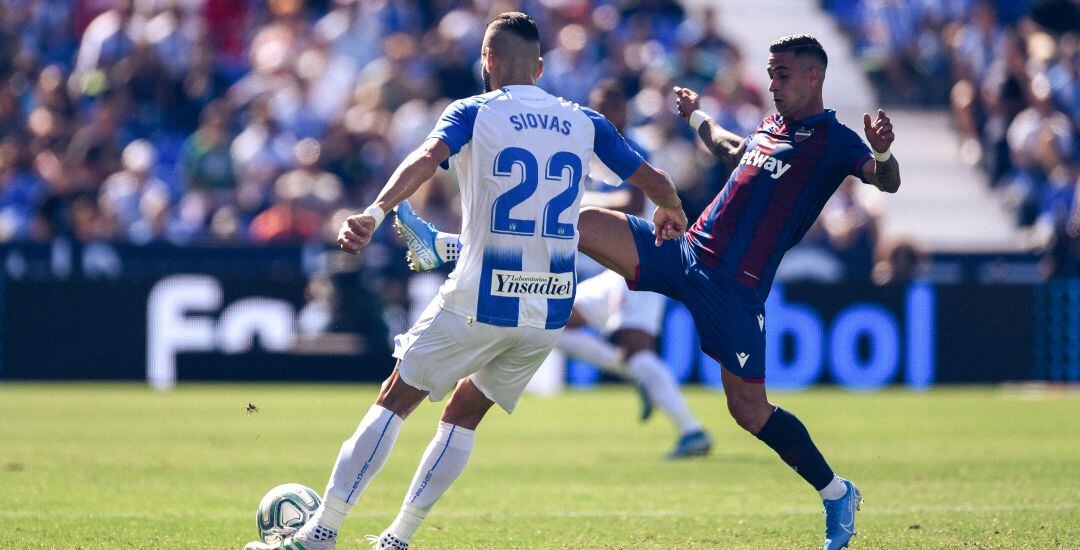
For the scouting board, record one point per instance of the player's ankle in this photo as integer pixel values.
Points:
(332, 513)
(834, 490)
(319, 532)
(407, 522)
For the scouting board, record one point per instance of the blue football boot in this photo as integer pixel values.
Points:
(840, 518)
(428, 248)
(697, 443)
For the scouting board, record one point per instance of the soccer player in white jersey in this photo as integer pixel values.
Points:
(520, 158)
(631, 320)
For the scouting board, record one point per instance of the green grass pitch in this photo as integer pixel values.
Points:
(120, 466)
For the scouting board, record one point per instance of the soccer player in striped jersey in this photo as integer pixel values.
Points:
(520, 155)
(722, 269)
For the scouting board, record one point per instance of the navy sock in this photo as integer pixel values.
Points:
(789, 438)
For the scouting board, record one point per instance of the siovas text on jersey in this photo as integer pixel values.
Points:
(525, 121)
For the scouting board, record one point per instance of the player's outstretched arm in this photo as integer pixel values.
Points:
(417, 168)
(669, 218)
(884, 171)
(723, 144)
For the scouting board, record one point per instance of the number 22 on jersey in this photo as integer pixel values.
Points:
(502, 222)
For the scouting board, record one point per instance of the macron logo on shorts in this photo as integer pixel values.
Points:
(742, 358)
(531, 284)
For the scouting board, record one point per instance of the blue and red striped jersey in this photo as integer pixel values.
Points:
(787, 173)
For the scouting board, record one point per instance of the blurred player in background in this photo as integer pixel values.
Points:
(632, 320)
(520, 158)
(722, 269)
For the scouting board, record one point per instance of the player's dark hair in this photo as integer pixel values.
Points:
(801, 44)
(521, 25)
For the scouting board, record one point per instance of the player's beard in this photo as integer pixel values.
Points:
(484, 74)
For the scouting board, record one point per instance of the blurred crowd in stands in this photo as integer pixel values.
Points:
(264, 122)
(1010, 70)
(226, 121)
(251, 122)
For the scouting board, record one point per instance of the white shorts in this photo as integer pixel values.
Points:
(443, 347)
(608, 305)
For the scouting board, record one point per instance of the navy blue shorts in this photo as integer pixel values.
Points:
(730, 319)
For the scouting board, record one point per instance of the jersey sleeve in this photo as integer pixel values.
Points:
(611, 147)
(854, 154)
(455, 126)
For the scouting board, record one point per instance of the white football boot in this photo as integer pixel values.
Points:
(300, 540)
(386, 541)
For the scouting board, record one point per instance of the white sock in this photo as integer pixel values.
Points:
(583, 345)
(443, 462)
(650, 371)
(360, 459)
(834, 490)
(447, 246)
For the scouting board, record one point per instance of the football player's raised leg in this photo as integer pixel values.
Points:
(605, 237)
(444, 459)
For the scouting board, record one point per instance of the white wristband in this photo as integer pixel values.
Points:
(881, 157)
(697, 118)
(375, 212)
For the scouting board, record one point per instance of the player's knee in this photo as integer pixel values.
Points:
(467, 406)
(749, 414)
(399, 397)
(465, 414)
(401, 405)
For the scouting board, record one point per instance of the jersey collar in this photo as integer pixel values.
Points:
(523, 90)
(823, 115)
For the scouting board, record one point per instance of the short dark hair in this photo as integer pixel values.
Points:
(801, 44)
(521, 25)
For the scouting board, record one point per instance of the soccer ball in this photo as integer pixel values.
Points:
(284, 509)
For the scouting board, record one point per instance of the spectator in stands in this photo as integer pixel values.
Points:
(122, 195)
(899, 263)
(850, 220)
(306, 197)
(20, 189)
(206, 161)
(260, 152)
(107, 40)
(1038, 138)
(177, 79)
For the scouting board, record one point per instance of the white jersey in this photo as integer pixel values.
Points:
(521, 156)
